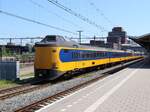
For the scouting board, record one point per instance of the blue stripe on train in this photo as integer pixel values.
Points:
(67, 55)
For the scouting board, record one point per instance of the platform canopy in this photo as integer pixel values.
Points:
(143, 40)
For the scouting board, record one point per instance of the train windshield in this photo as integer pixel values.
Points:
(67, 39)
(49, 39)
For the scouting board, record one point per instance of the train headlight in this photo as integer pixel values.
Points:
(54, 66)
(54, 50)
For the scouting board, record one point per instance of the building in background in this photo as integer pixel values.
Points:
(15, 49)
(117, 35)
(117, 39)
(98, 43)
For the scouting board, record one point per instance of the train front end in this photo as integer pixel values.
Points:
(46, 63)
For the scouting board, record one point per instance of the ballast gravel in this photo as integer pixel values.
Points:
(11, 104)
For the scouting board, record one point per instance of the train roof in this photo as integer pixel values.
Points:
(57, 40)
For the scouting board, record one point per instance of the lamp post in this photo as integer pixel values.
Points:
(0, 53)
(80, 36)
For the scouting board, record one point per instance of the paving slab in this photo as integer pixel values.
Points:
(125, 91)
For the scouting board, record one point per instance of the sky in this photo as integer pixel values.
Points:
(132, 15)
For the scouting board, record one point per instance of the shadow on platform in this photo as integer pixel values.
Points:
(145, 63)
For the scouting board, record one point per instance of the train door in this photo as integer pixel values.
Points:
(75, 58)
(78, 62)
(109, 56)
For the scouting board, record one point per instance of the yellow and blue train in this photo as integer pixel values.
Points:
(56, 55)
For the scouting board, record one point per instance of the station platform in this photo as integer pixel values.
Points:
(125, 91)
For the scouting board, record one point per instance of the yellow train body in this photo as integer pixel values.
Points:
(48, 58)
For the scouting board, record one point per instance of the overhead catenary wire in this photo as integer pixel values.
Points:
(36, 22)
(49, 11)
(78, 15)
(101, 13)
(0, 4)
(60, 17)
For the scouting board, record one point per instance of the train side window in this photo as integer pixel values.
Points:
(105, 55)
(94, 54)
(73, 55)
(76, 55)
(100, 55)
(88, 55)
(66, 50)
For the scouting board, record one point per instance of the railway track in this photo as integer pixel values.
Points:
(11, 92)
(25, 88)
(46, 101)
(39, 104)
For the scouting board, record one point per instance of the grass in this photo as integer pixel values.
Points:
(7, 84)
